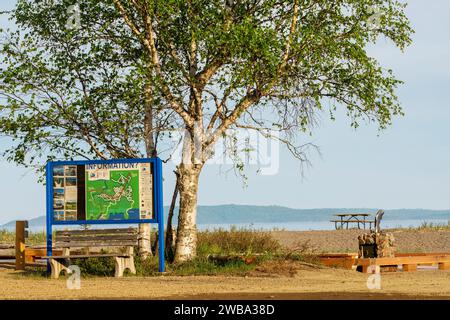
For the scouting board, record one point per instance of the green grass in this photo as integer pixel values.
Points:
(221, 252)
(236, 252)
(198, 266)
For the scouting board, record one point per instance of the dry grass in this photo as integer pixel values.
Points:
(8, 237)
(425, 226)
(236, 241)
(430, 226)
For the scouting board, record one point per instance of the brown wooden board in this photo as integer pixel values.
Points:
(78, 238)
(95, 244)
(420, 254)
(75, 256)
(404, 260)
(98, 231)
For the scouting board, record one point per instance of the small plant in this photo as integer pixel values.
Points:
(97, 266)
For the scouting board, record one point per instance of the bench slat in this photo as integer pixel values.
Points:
(78, 238)
(98, 231)
(85, 256)
(80, 244)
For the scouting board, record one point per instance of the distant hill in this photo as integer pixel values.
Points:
(235, 214)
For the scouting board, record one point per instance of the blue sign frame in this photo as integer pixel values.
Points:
(157, 196)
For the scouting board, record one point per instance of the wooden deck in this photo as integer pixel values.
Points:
(408, 261)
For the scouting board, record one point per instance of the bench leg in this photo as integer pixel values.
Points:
(56, 267)
(123, 263)
(119, 267)
(129, 264)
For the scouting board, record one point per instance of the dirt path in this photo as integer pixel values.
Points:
(316, 284)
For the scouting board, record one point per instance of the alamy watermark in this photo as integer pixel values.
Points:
(73, 282)
(74, 17)
(245, 147)
(374, 280)
(374, 20)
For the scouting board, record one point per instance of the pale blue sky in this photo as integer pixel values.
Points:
(407, 166)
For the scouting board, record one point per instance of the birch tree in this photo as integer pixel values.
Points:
(215, 65)
(230, 64)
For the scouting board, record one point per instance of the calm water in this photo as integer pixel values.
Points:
(289, 226)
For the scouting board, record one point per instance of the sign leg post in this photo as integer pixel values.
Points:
(49, 206)
(161, 250)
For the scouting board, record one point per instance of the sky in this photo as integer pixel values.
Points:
(405, 166)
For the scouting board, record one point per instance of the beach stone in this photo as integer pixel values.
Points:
(376, 245)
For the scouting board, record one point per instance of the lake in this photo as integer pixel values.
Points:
(289, 226)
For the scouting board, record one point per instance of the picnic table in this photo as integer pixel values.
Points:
(344, 219)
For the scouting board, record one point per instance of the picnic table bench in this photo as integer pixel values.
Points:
(347, 218)
(122, 239)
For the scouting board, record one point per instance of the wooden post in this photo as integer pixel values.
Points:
(444, 266)
(409, 267)
(21, 234)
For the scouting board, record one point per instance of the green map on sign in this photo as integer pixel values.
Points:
(113, 199)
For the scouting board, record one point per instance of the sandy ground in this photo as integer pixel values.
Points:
(305, 283)
(346, 240)
(309, 284)
(337, 241)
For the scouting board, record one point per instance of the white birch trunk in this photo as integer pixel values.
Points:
(144, 244)
(186, 241)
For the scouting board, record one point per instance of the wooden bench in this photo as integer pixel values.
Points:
(119, 239)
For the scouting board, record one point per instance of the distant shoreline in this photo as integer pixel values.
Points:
(271, 226)
(298, 219)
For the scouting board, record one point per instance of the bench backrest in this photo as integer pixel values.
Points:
(120, 237)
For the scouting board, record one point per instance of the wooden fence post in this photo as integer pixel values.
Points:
(21, 234)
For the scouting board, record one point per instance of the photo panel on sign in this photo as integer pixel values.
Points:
(58, 182)
(71, 205)
(58, 215)
(71, 182)
(71, 215)
(58, 194)
(58, 171)
(58, 204)
(70, 171)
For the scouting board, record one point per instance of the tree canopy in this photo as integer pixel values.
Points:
(64, 92)
(138, 68)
